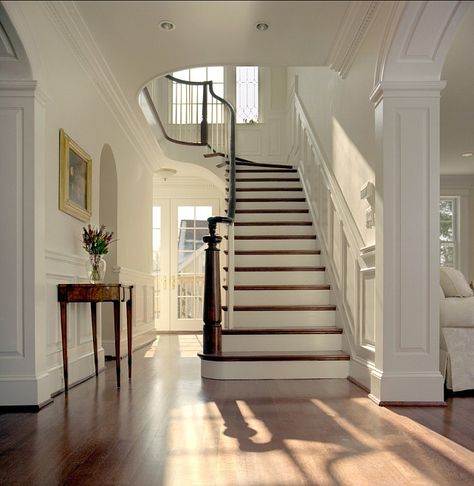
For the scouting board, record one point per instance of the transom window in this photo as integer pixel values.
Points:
(449, 231)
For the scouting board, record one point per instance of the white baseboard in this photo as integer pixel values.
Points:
(138, 340)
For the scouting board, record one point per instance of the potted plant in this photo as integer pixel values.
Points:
(96, 242)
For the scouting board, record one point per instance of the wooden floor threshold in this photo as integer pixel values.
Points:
(278, 287)
(276, 330)
(277, 356)
(281, 308)
(278, 269)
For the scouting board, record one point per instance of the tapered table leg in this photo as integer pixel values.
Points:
(63, 306)
(94, 335)
(117, 339)
(129, 335)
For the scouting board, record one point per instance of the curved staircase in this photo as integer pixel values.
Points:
(284, 322)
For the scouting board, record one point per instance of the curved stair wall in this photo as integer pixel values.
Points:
(349, 265)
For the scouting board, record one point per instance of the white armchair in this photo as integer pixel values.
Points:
(457, 330)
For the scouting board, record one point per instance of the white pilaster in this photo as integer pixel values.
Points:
(23, 379)
(407, 235)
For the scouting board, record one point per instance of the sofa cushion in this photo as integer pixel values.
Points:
(453, 283)
(441, 293)
(457, 312)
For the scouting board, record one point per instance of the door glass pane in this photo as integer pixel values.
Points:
(156, 260)
(192, 226)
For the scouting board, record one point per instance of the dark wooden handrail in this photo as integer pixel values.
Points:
(212, 312)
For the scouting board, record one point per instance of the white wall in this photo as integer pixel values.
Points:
(342, 117)
(72, 101)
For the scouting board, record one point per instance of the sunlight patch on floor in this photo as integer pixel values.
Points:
(189, 345)
(150, 352)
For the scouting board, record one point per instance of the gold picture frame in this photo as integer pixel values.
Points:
(75, 179)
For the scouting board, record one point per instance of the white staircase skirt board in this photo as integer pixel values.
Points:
(274, 230)
(271, 204)
(305, 244)
(281, 297)
(260, 319)
(269, 278)
(244, 217)
(288, 342)
(273, 370)
(277, 260)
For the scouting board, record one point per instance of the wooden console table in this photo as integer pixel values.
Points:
(94, 293)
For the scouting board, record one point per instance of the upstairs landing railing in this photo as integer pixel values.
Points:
(197, 116)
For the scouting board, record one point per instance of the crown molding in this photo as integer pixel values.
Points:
(350, 35)
(70, 24)
(406, 89)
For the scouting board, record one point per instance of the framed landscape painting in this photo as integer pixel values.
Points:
(75, 179)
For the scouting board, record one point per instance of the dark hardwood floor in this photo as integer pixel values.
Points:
(169, 427)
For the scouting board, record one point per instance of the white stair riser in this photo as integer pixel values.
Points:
(271, 204)
(276, 184)
(277, 244)
(273, 175)
(284, 319)
(270, 278)
(274, 370)
(281, 297)
(277, 342)
(268, 194)
(272, 217)
(276, 260)
(274, 230)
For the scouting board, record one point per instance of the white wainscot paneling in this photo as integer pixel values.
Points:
(367, 317)
(275, 134)
(249, 140)
(350, 265)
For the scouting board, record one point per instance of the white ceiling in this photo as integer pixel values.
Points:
(457, 102)
(302, 33)
(210, 33)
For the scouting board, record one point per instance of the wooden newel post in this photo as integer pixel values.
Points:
(212, 313)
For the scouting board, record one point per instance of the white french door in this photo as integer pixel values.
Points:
(179, 284)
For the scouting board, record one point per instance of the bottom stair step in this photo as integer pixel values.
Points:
(275, 365)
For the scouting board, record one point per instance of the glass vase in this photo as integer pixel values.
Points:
(96, 266)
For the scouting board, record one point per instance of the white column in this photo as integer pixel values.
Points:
(407, 251)
(23, 379)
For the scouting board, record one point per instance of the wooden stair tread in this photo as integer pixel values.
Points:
(273, 223)
(277, 356)
(279, 287)
(274, 237)
(268, 179)
(265, 171)
(278, 269)
(249, 163)
(269, 199)
(275, 330)
(268, 189)
(275, 252)
(271, 211)
(281, 308)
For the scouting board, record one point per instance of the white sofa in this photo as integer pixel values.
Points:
(457, 333)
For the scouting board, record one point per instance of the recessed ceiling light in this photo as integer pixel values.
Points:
(167, 25)
(262, 26)
(467, 154)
